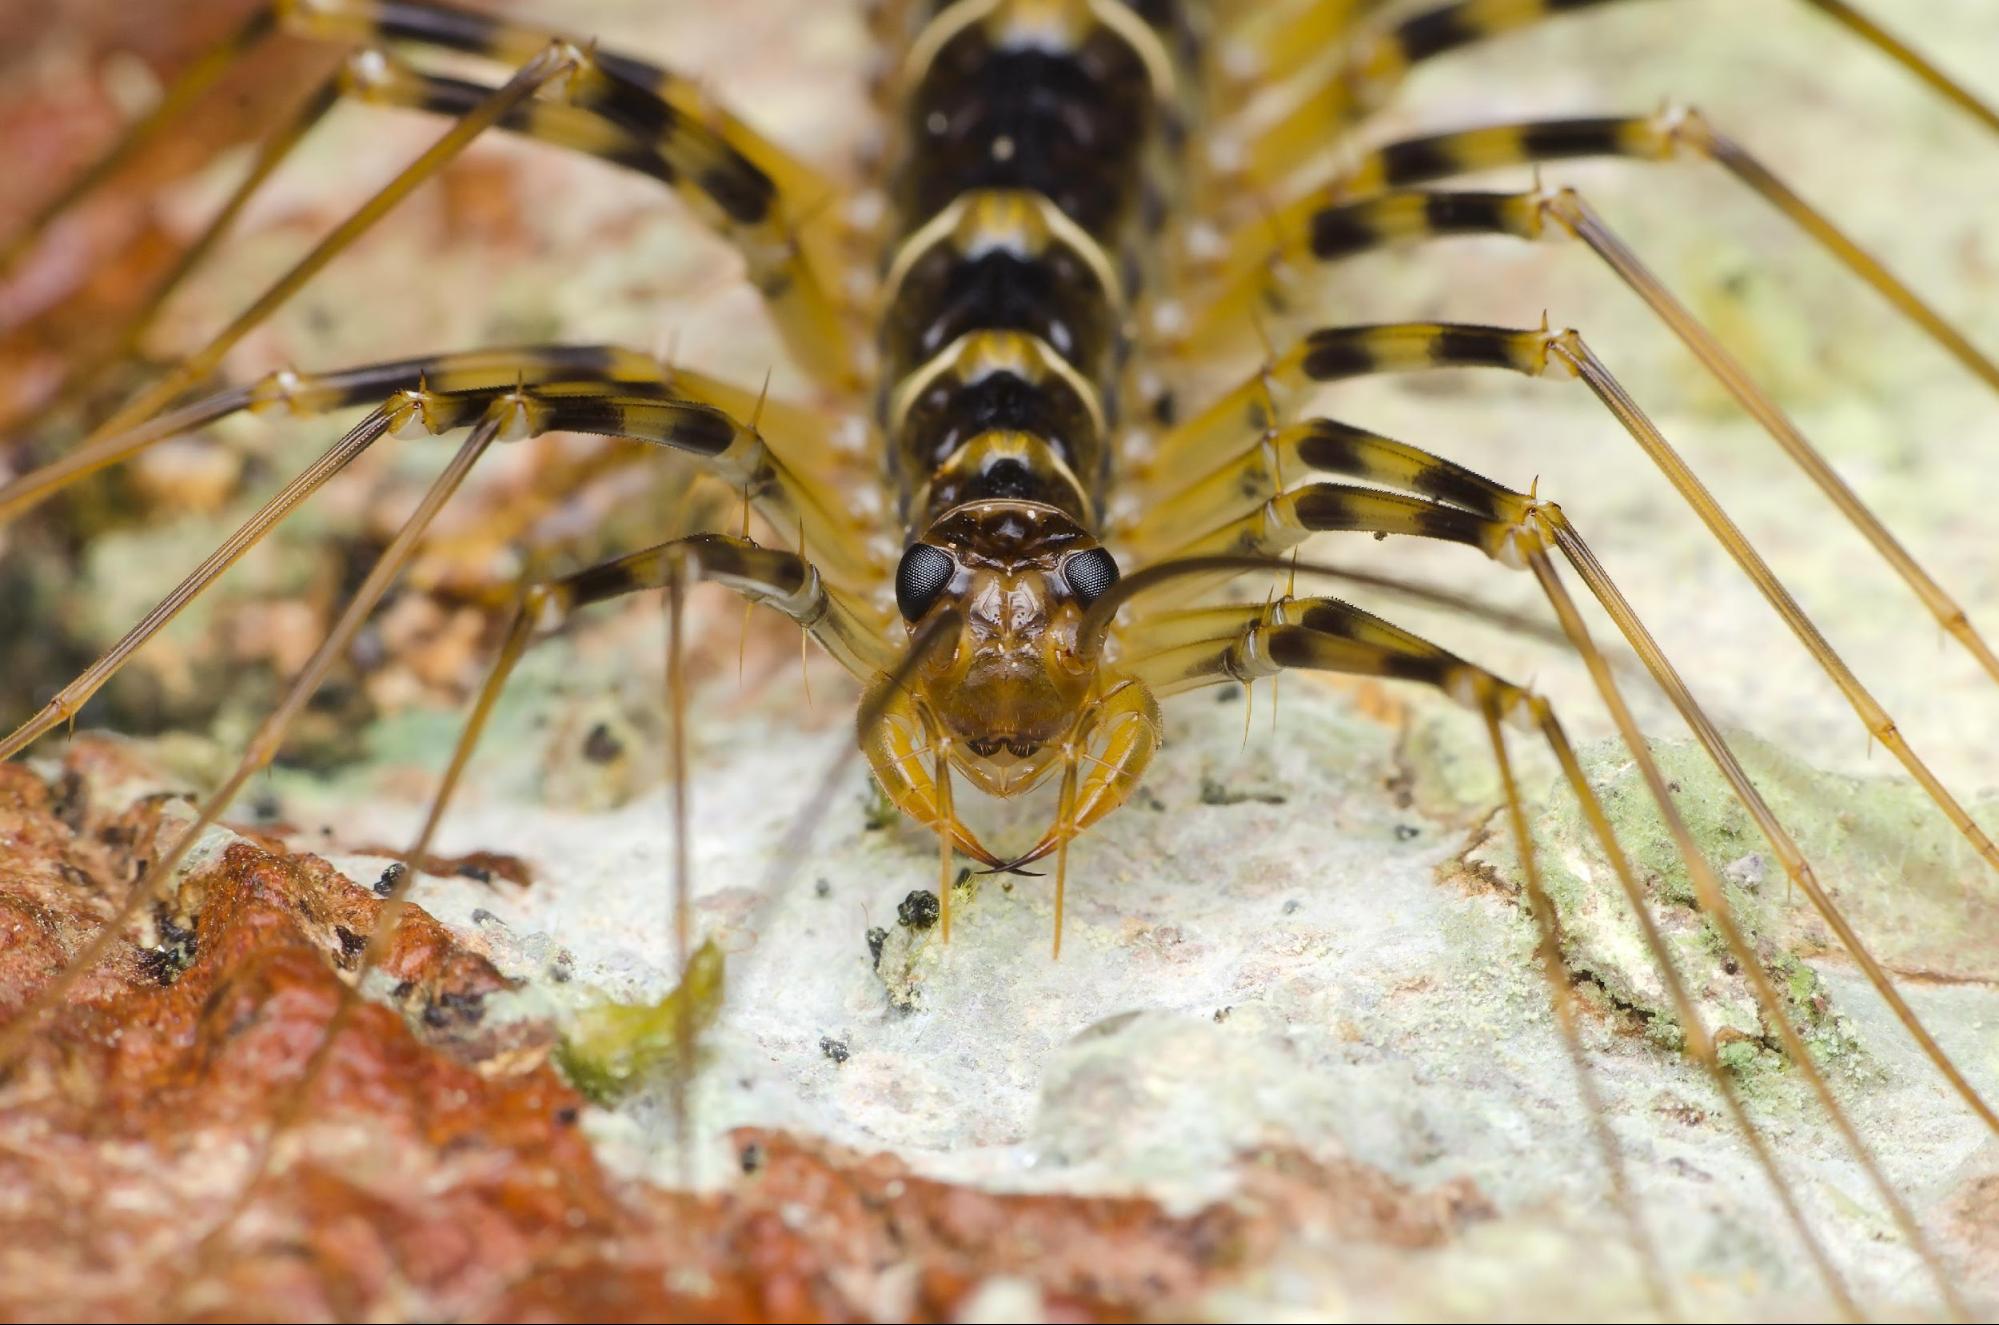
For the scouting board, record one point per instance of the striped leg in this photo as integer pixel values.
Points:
(728, 190)
(1344, 229)
(735, 452)
(1243, 644)
(793, 432)
(1325, 224)
(1341, 352)
(1358, 71)
(616, 109)
(1516, 529)
(552, 65)
(762, 575)
(722, 188)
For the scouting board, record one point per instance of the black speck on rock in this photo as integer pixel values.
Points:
(834, 1049)
(877, 936)
(918, 910)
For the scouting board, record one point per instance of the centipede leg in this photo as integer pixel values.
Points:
(1342, 352)
(1475, 511)
(1328, 634)
(700, 429)
(1402, 216)
(763, 575)
(792, 431)
(542, 70)
(1647, 138)
(1357, 72)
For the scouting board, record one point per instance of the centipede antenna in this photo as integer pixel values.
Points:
(681, 882)
(1065, 829)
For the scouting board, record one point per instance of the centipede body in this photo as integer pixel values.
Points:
(1149, 1077)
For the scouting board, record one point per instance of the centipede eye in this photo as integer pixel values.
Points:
(924, 572)
(1090, 573)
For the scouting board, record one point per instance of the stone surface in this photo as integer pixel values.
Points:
(1306, 948)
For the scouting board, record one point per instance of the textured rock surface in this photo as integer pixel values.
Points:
(1296, 978)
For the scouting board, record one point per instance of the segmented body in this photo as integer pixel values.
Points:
(1001, 391)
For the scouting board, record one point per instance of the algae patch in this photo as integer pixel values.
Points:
(1894, 867)
(609, 1049)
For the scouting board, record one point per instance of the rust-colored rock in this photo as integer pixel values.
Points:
(439, 1171)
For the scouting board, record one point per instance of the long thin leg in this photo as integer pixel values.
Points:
(1341, 352)
(724, 188)
(271, 152)
(763, 575)
(1656, 137)
(550, 65)
(794, 432)
(639, 93)
(270, 733)
(737, 453)
(1330, 634)
(1714, 904)
(1333, 636)
(624, 110)
(1490, 517)
(1549, 949)
(1405, 215)
(1365, 71)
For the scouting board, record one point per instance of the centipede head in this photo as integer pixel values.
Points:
(1020, 575)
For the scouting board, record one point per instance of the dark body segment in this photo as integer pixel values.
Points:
(1031, 128)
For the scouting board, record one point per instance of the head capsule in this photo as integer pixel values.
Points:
(1019, 574)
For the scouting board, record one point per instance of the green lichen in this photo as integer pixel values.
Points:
(609, 1049)
(1894, 867)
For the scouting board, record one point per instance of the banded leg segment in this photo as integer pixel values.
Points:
(780, 580)
(689, 159)
(1323, 218)
(641, 94)
(1365, 69)
(736, 452)
(791, 430)
(622, 118)
(1520, 530)
(552, 64)
(1265, 650)
(1400, 216)
(1341, 352)
(727, 190)
(1326, 634)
